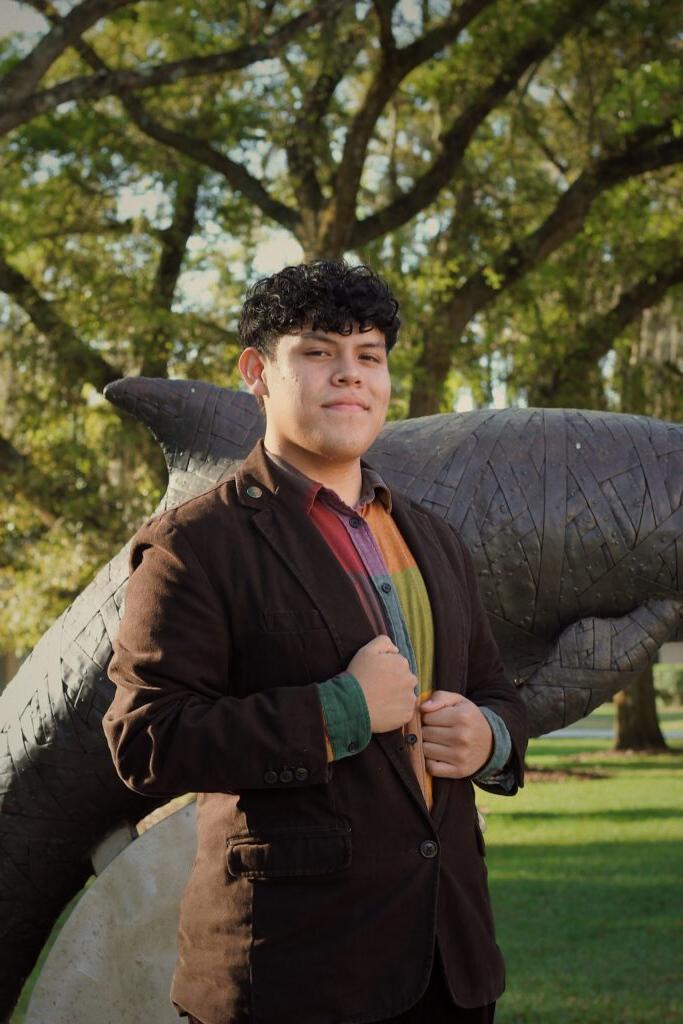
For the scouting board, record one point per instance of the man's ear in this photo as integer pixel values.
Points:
(252, 368)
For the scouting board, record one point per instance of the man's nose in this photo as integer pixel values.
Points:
(347, 370)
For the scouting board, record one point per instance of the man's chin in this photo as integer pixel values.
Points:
(345, 450)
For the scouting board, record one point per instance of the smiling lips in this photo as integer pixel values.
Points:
(350, 405)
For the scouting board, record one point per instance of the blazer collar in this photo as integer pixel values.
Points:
(257, 474)
(260, 471)
(372, 486)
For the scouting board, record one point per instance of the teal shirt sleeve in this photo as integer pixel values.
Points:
(494, 775)
(347, 718)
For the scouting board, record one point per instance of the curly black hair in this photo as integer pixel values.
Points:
(329, 295)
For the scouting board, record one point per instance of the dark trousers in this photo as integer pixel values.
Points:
(435, 1007)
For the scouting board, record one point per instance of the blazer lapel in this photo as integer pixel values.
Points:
(302, 548)
(308, 556)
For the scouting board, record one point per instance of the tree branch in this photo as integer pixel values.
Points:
(83, 362)
(10, 458)
(565, 220)
(308, 137)
(25, 479)
(80, 227)
(173, 247)
(198, 150)
(601, 330)
(308, 151)
(107, 82)
(640, 154)
(557, 384)
(203, 153)
(300, 155)
(384, 10)
(25, 75)
(535, 133)
(454, 142)
(45, 494)
(393, 67)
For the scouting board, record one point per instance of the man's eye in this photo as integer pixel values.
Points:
(374, 359)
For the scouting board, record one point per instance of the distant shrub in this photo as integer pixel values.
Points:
(669, 683)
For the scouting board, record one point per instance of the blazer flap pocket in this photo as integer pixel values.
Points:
(286, 852)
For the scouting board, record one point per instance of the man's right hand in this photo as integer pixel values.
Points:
(387, 683)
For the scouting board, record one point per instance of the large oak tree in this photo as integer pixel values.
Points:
(485, 154)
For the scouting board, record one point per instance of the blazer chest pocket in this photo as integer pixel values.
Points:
(293, 645)
(289, 852)
(290, 621)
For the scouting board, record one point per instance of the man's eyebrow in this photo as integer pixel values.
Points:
(316, 336)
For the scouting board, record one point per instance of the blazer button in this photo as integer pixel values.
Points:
(429, 848)
(254, 492)
(270, 777)
(352, 747)
(301, 774)
(286, 775)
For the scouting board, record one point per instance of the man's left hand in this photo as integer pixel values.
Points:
(456, 738)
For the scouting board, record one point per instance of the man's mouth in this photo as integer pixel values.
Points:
(346, 406)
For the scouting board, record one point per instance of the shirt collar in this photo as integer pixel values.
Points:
(372, 486)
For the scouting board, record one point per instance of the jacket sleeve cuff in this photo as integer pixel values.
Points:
(502, 746)
(345, 710)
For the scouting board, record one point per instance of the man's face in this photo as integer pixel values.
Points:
(325, 394)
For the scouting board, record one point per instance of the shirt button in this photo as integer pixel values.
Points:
(270, 777)
(353, 746)
(301, 774)
(286, 775)
(429, 848)
(254, 492)
(411, 738)
(355, 521)
(386, 587)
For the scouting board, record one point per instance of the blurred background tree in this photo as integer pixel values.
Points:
(512, 167)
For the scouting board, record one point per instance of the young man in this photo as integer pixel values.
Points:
(307, 649)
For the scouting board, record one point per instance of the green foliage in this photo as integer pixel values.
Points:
(669, 684)
(88, 199)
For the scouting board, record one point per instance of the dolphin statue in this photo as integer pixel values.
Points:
(575, 522)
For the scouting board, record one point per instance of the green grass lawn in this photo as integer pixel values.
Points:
(586, 879)
(670, 718)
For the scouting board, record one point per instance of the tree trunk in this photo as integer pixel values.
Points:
(429, 377)
(637, 725)
(439, 350)
(157, 346)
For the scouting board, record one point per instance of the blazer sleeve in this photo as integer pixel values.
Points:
(487, 683)
(172, 727)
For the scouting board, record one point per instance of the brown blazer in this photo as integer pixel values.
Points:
(318, 889)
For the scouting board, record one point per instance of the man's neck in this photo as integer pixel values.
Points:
(345, 479)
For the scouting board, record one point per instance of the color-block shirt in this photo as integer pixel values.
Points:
(391, 590)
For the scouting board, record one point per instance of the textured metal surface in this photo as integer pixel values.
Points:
(575, 522)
